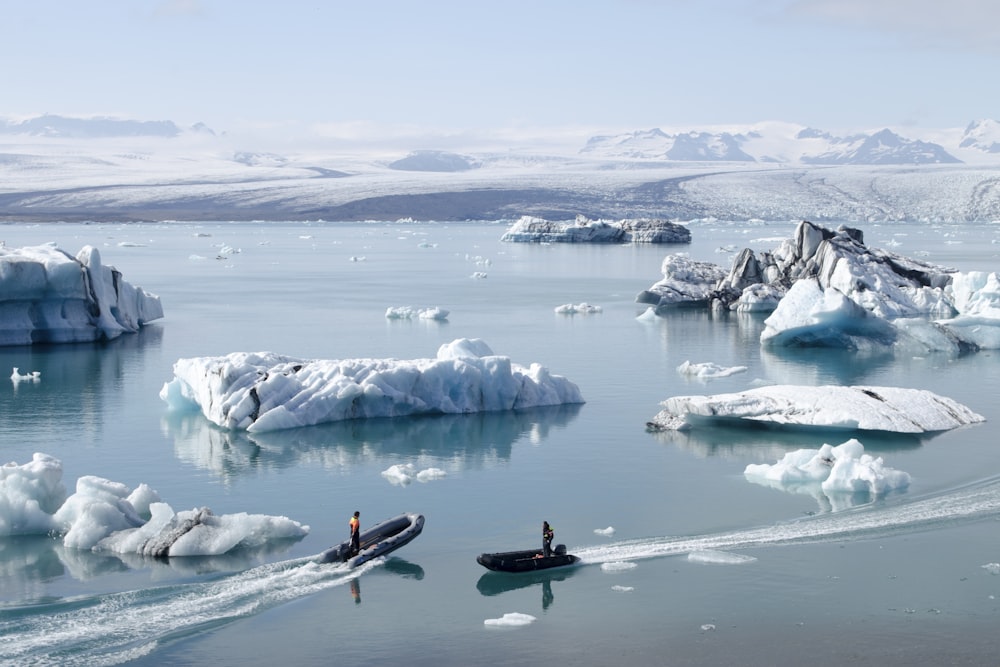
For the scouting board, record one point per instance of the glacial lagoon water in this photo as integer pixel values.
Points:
(702, 567)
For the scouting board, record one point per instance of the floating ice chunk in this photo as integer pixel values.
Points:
(607, 532)
(992, 568)
(17, 376)
(400, 474)
(622, 589)
(719, 557)
(831, 472)
(511, 620)
(403, 474)
(430, 474)
(708, 369)
(578, 309)
(408, 312)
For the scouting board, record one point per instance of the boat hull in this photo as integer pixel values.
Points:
(530, 560)
(379, 540)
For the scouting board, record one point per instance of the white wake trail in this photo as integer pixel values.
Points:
(975, 501)
(122, 626)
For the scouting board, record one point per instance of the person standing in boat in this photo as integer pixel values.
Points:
(547, 535)
(355, 524)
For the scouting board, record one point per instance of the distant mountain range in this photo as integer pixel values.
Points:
(778, 143)
(56, 167)
(805, 146)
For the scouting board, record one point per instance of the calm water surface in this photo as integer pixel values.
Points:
(893, 580)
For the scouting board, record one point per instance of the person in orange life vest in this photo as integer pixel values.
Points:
(547, 535)
(355, 533)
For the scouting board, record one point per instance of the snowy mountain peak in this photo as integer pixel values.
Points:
(982, 135)
(771, 144)
(50, 125)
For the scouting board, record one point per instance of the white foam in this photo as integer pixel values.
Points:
(619, 566)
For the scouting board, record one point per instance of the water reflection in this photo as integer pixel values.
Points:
(495, 583)
(395, 566)
(30, 561)
(763, 443)
(468, 441)
(79, 384)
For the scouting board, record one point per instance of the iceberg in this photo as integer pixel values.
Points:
(838, 477)
(826, 288)
(265, 391)
(891, 409)
(103, 515)
(49, 296)
(529, 229)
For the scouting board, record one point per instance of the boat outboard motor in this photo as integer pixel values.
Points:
(560, 550)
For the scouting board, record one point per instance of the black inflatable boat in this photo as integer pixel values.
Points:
(526, 561)
(378, 540)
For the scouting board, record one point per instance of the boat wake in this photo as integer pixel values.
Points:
(110, 629)
(972, 502)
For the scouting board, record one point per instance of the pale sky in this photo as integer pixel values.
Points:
(477, 66)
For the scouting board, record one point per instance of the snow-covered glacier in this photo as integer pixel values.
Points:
(266, 391)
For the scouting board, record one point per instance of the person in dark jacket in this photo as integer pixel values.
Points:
(547, 535)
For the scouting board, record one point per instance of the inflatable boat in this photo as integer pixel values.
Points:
(526, 561)
(378, 540)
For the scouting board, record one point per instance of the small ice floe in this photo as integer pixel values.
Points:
(648, 315)
(719, 557)
(707, 369)
(403, 474)
(578, 309)
(131, 244)
(358, 258)
(623, 589)
(197, 258)
(425, 244)
(17, 377)
(226, 251)
(708, 627)
(511, 620)
(618, 566)
(478, 275)
(607, 532)
(407, 313)
(992, 568)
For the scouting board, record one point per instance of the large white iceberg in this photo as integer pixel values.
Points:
(103, 515)
(826, 288)
(892, 409)
(266, 391)
(49, 296)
